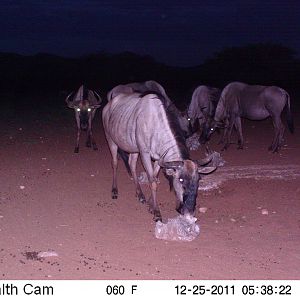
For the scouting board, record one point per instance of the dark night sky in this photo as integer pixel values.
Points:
(175, 32)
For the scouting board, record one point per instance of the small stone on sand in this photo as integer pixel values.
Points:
(203, 209)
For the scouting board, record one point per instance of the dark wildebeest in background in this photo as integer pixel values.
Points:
(255, 102)
(201, 110)
(85, 103)
(144, 124)
(151, 86)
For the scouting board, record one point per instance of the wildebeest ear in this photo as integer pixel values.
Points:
(220, 124)
(95, 105)
(71, 104)
(206, 170)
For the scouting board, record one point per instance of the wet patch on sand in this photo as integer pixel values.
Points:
(256, 172)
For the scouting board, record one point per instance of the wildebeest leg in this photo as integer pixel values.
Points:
(114, 153)
(228, 134)
(76, 150)
(90, 141)
(238, 126)
(146, 160)
(221, 141)
(223, 138)
(281, 134)
(278, 134)
(90, 138)
(156, 170)
(93, 142)
(133, 157)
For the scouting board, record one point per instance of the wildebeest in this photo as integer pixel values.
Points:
(141, 87)
(255, 102)
(151, 86)
(203, 106)
(85, 103)
(144, 125)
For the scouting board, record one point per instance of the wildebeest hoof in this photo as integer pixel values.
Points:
(141, 198)
(88, 144)
(114, 194)
(95, 148)
(240, 147)
(76, 150)
(273, 149)
(150, 209)
(156, 213)
(157, 218)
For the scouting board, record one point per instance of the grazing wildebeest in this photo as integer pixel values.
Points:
(144, 124)
(85, 103)
(151, 86)
(203, 106)
(255, 102)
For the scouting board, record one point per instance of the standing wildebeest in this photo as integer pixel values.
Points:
(255, 102)
(144, 124)
(150, 86)
(203, 106)
(85, 103)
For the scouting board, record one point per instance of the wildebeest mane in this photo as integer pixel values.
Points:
(214, 96)
(173, 121)
(170, 110)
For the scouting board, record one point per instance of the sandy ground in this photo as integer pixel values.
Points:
(55, 200)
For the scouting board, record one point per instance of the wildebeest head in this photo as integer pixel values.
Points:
(197, 121)
(209, 128)
(83, 113)
(85, 103)
(184, 179)
(185, 123)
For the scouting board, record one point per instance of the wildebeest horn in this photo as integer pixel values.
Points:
(206, 170)
(208, 151)
(205, 161)
(70, 103)
(98, 97)
(99, 100)
(172, 165)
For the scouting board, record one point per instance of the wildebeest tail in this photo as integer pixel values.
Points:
(289, 116)
(125, 157)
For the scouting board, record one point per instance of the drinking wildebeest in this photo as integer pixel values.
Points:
(203, 106)
(255, 102)
(150, 86)
(85, 103)
(144, 124)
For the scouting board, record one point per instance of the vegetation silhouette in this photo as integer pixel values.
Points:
(52, 77)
